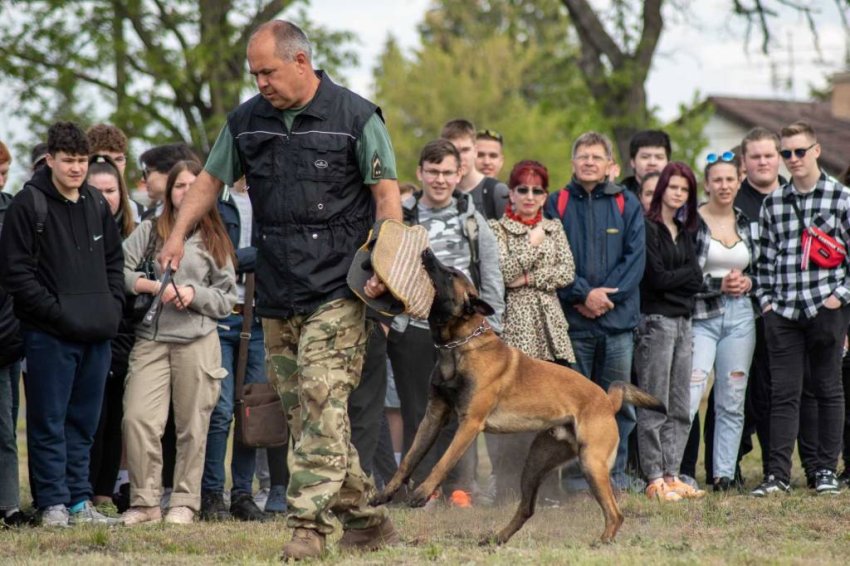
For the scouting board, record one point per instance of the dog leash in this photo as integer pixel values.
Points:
(456, 343)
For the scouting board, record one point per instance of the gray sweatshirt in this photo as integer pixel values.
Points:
(215, 289)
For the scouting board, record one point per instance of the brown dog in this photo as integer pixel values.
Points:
(495, 388)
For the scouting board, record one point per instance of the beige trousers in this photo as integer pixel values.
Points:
(188, 376)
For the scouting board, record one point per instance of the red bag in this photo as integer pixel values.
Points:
(821, 248)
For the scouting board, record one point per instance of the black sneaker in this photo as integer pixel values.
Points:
(723, 484)
(17, 520)
(213, 507)
(826, 483)
(242, 507)
(770, 486)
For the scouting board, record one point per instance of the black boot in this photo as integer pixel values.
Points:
(213, 507)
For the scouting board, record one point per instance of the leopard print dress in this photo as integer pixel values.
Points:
(534, 321)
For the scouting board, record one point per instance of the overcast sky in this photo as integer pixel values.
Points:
(705, 53)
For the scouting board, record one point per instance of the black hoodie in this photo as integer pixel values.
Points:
(69, 280)
(11, 345)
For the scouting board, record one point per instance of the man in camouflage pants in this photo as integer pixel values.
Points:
(320, 168)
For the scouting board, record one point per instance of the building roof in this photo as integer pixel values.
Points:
(833, 133)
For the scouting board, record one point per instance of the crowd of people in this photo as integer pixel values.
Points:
(128, 318)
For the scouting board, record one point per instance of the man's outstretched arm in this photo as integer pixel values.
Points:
(199, 200)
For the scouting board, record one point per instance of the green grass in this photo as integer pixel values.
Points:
(721, 529)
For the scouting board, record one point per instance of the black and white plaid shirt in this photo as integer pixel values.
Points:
(781, 283)
(709, 301)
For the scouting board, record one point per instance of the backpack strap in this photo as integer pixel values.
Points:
(564, 199)
(40, 204)
(474, 256)
(489, 197)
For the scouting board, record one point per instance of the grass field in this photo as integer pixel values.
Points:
(721, 529)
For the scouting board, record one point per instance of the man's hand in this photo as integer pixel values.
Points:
(597, 301)
(832, 302)
(374, 287)
(171, 252)
(585, 312)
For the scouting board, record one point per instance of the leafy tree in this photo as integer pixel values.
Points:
(501, 64)
(163, 70)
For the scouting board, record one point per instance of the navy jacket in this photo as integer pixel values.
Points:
(609, 251)
(246, 258)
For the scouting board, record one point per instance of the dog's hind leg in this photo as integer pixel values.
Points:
(550, 449)
(596, 459)
(437, 414)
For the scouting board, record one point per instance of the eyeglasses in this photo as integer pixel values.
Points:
(588, 157)
(525, 189)
(714, 157)
(489, 134)
(431, 175)
(800, 152)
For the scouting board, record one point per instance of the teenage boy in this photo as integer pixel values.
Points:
(803, 297)
(489, 153)
(455, 230)
(156, 162)
(605, 228)
(63, 265)
(649, 151)
(489, 195)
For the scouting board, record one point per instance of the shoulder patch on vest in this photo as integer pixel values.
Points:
(377, 166)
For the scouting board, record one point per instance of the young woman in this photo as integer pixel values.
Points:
(177, 359)
(535, 259)
(647, 189)
(105, 176)
(724, 320)
(663, 347)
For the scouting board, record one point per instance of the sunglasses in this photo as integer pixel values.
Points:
(493, 134)
(800, 152)
(524, 190)
(714, 157)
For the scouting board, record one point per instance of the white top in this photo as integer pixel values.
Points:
(246, 217)
(722, 259)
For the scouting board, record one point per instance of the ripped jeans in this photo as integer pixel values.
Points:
(725, 344)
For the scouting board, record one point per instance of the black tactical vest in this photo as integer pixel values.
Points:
(310, 204)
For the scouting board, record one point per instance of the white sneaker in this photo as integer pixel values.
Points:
(140, 515)
(180, 516)
(261, 497)
(88, 515)
(54, 516)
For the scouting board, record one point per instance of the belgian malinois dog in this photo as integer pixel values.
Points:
(496, 388)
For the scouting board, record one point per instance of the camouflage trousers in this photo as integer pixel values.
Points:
(315, 362)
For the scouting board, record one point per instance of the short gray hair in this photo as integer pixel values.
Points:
(289, 39)
(594, 138)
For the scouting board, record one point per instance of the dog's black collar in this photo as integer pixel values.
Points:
(456, 343)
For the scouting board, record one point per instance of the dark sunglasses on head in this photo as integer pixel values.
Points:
(489, 134)
(715, 157)
(524, 190)
(800, 152)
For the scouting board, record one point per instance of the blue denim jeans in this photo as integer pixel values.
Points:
(725, 344)
(243, 459)
(64, 387)
(605, 359)
(9, 481)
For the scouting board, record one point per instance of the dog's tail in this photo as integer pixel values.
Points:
(620, 392)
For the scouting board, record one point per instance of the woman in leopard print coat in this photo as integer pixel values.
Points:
(536, 260)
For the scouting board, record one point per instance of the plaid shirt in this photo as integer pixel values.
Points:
(709, 301)
(792, 292)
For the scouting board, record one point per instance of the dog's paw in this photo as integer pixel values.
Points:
(419, 498)
(380, 499)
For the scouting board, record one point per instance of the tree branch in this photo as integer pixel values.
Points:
(264, 14)
(653, 24)
(592, 31)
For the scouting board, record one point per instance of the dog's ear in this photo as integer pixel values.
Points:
(474, 304)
